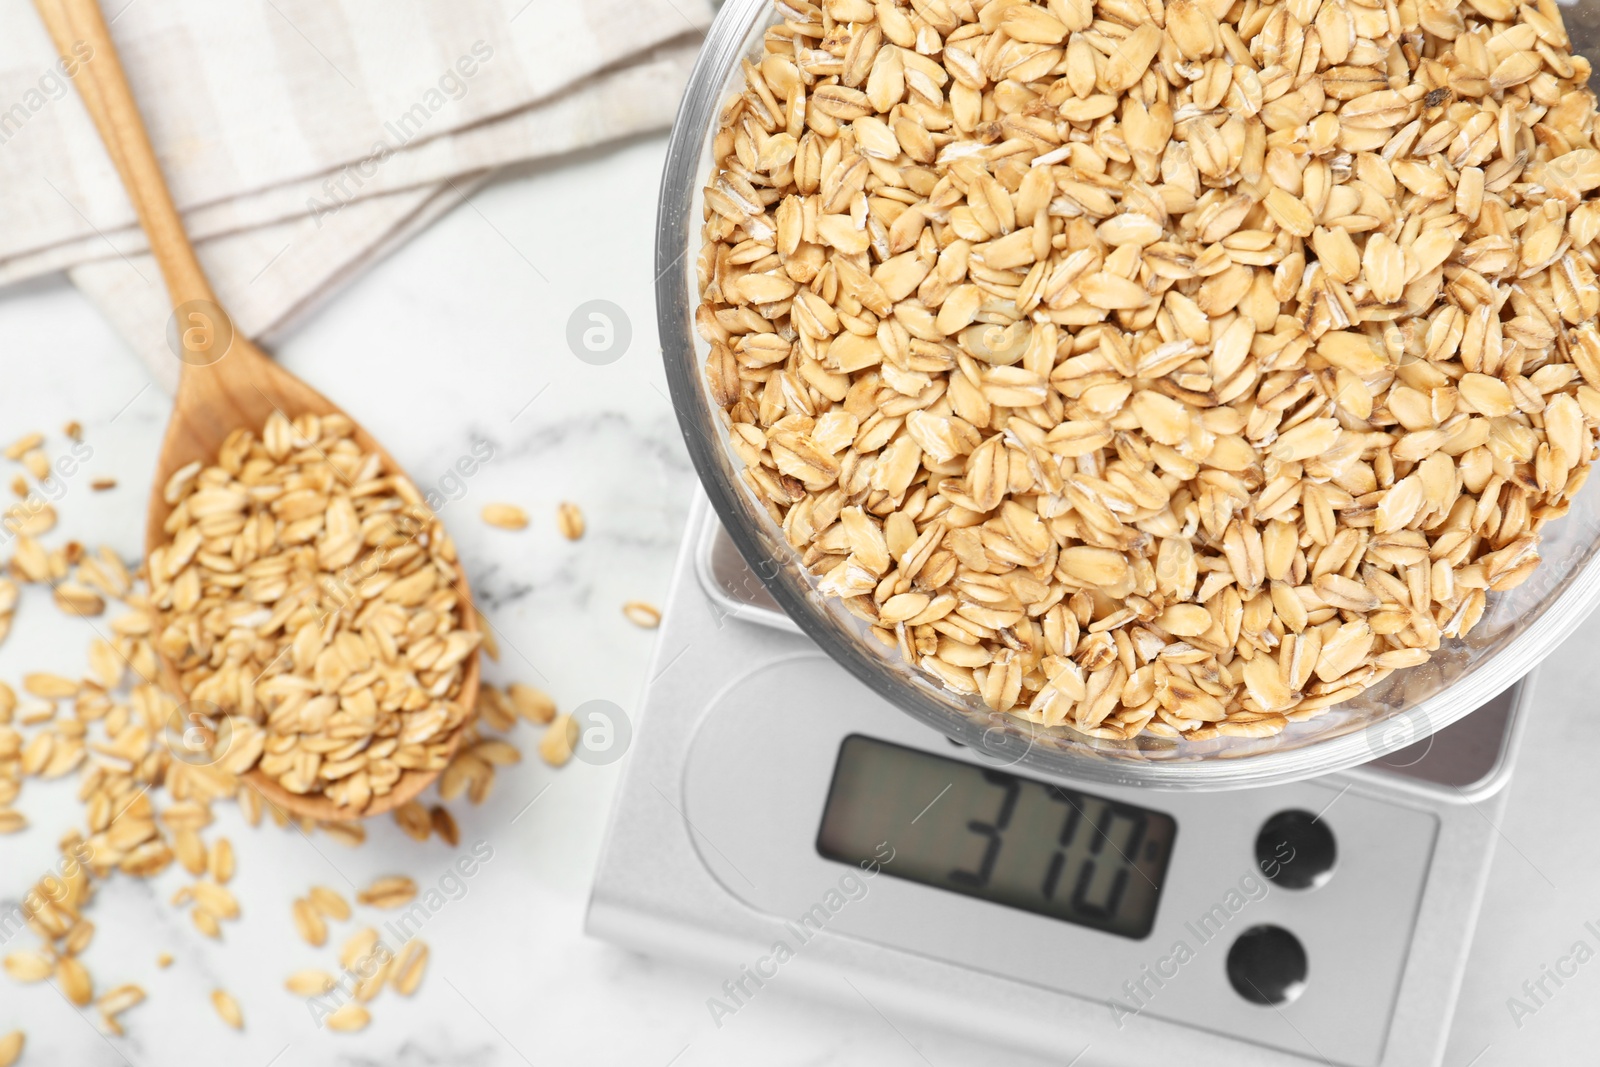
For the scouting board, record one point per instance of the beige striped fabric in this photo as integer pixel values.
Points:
(303, 139)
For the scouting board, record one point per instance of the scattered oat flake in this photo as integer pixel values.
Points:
(309, 923)
(120, 1000)
(222, 861)
(100, 485)
(495, 709)
(505, 516)
(23, 445)
(207, 923)
(392, 892)
(77, 599)
(357, 947)
(532, 704)
(444, 824)
(38, 713)
(49, 686)
(217, 900)
(74, 980)
(228, 1009)
(559, 739)
(412, 818)
(646, 616)
(29, 966)
(569, 519)
(310, 983)
(32, 517)
(11, 1047)
(349, 834)
(349, 1018)
(164, 960)
(78, 938)
(497, 753)
(489, 646)
(467, 774)
(330, 903)
(189, 849)
(368, 988)
(408, 967)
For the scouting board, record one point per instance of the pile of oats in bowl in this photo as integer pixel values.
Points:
(1180, 369)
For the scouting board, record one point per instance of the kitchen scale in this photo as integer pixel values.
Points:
(784, 826)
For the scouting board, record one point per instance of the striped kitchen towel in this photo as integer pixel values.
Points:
(303, 139)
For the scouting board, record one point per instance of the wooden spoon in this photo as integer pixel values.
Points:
(226, 382)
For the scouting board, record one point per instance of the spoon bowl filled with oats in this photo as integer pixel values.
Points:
(1192, 394)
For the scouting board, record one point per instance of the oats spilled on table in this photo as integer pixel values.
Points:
(505, 516)
(147, 806)
(570, 521)
(227, 1008)
(1177, 368)
(642, 614)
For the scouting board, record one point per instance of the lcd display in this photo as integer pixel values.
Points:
(987, 833)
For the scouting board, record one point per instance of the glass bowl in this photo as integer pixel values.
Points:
(1519, 628)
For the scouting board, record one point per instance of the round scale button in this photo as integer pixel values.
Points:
(1267, 966)
(1296, 850)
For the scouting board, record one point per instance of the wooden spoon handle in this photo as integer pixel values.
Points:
(55, 20)
(109, 101)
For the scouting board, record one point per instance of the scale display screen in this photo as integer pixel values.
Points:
(989, 834)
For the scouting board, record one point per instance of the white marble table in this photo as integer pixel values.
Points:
(471, 319)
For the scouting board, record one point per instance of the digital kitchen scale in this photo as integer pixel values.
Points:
(781, 824)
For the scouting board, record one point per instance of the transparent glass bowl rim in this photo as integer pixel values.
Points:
(677, 245)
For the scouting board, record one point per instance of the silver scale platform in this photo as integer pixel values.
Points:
(713, 855)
